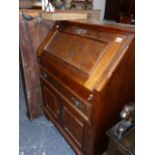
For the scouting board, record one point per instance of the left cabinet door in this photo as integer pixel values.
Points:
(51, 101)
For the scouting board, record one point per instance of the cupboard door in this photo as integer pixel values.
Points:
(51, 101)
(73, 126)
(66, 115)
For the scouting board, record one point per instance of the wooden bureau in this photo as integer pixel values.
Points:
(86, 76)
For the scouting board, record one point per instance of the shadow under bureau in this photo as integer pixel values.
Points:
(86, 76)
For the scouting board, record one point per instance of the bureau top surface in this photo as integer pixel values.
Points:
(84, 52)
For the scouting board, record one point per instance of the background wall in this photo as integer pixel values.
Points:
(100, 4)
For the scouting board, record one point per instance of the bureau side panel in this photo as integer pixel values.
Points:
(118, 91)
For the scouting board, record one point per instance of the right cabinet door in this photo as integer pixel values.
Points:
(73, 126)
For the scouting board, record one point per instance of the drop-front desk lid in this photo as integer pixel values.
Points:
(84, 52)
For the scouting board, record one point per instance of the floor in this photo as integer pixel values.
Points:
(39, 137)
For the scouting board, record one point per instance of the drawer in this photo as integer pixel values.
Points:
(73, 100)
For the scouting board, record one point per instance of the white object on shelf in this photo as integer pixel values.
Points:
(48, 7)
(43, 5)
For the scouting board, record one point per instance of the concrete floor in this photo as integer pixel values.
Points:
(39, 137)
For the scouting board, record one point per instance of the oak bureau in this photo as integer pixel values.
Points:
(86, 76)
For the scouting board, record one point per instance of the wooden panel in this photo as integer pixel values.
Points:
(32, 33)
(76, 50)
(51, 101)
(72, 125)
(106, 60)
(88, 32)
(63, 15)
(56, 67)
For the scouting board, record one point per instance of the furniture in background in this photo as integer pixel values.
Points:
(58, 4)
(73, 4)
(122, 135)
(31, 35)
(86, 75)
(72, 15)
(122, 11)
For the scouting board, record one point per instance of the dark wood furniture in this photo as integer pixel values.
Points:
(90, 14)
(123, 146)
(122, 11)
(122, 135)
(86, 75)
(32, 33)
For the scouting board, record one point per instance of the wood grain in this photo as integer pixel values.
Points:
(92, 74)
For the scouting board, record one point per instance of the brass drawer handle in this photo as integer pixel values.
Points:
(90, 97)
(76, 102)
(79, 105)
